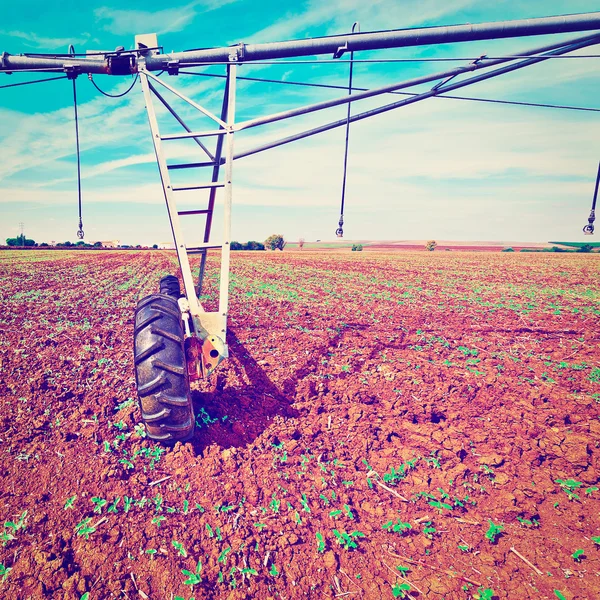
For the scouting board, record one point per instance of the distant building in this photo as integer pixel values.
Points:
(108, 243)
(166, 246)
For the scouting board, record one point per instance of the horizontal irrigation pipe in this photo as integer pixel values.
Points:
(385, 39)
(348, 42)
(451, 73)
(431, 93)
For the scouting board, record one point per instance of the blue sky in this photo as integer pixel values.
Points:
(440, 169)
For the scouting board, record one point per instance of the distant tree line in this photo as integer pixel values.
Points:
(247, 246)
(20, 240)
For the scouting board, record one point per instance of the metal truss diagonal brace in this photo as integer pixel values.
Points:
(184, 98)
(565, 47)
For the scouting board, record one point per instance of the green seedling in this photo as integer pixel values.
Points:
(85, 596)
(100, 503)
(69, 502)
(179, 547)
(127, 502)
(223, 556)
(84, 529)
(493, 531)
(398, 527)
(440, 505)
(348, 540)
(193, 578)
(320, 542)
(559, 595)
(463, 547)
(273, 570)
(260, 526)
(248, 571)
(400, 590)
(304, 502)
(596, 539)
(113, 507)
(403, 569)
(348, 512)
(484, 594)
(4, 571)
(275, 503)
(335, 513)
(578, 555)
(569, 486)
(528, 523)
(429, 530)
(158, 520)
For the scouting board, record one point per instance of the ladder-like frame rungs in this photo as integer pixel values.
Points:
(203, 248)
(191, 165)
(203, 186)
(204, 211)
(193, 134)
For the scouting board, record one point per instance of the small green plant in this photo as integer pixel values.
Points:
(273, 570)
(569, 486)
(223, 556)
(484, 593)
(596, 539)
(578, 555)
(158, 520)
(320, 542)
(494, 531)
(84, 529)
(559, 595)
(85, 596)
(347, 540)
(397, 527)
(400, 590)
(4, 572)
(100, 503)
(193, 578)
(357, 247)
(179, 547)
(69, 502)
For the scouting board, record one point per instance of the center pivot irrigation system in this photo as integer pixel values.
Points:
(176, 340)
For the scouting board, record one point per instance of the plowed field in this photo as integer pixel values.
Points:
(414, 425)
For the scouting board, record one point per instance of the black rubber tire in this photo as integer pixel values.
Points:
(161, 371)
(169, 285)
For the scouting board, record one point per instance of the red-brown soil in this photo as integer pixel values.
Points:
(407, 399)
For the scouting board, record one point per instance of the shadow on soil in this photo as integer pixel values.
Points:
(235, 416)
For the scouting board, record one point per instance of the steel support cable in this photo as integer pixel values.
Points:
(329, 61)
(80, 233)
(361, 89)
(113, 95)
(339, 232)
(34, 81)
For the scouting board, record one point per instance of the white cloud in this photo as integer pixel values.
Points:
(119, 21)
(48, 43)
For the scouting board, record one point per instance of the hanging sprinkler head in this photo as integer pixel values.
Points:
(340, 230)
(589, 228)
